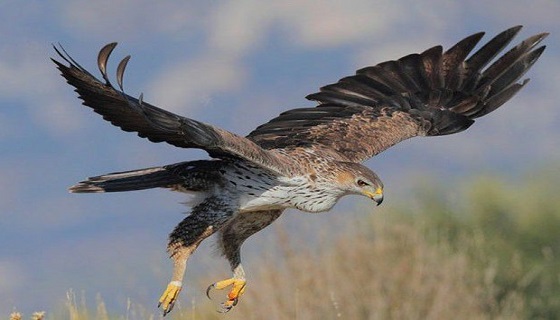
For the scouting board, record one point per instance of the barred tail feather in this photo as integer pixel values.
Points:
(156, 177)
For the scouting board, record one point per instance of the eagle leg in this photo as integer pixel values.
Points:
(180, 253)
(205, 218)
(232, 235)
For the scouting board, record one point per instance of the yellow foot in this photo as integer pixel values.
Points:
(169, 296)
(238, 287)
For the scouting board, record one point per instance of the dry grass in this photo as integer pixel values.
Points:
(384, 270)
(35, 316)
(380, 270)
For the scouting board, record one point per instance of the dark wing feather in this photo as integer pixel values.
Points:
(153, 123)
(426, 94)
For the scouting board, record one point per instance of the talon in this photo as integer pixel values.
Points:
(238, 288)
(169, 297)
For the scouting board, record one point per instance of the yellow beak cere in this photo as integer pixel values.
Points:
(376, 196)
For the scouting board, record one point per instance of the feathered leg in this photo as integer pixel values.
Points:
(205, 218)
(232, 236)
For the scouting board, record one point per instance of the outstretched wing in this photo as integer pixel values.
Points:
(153, 123)
(431, 93)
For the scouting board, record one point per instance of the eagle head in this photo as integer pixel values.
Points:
(354, 178)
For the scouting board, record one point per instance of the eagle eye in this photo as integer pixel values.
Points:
(362, 183)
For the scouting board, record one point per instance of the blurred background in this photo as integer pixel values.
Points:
(236, 65)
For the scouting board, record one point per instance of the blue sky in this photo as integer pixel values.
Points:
(234, 64)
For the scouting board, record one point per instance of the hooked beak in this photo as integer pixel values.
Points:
(376, 196)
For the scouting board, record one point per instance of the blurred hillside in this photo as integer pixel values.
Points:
(492, 253)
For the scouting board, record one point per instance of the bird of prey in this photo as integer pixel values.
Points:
(305, 158)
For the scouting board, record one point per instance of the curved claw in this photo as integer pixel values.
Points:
(210, 288)
(102, 58)
(238, 288)
(169, 297)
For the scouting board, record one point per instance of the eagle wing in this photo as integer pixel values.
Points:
(427, 94)
(155, 124)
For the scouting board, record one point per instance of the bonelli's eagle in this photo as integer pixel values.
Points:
(305, 158)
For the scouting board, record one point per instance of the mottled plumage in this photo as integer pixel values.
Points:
(305, 158)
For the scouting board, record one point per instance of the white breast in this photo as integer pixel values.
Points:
(260, 191)
(303, 197)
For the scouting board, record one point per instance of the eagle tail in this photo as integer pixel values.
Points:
(179, 175)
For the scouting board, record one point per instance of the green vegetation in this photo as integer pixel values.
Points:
(490, 251)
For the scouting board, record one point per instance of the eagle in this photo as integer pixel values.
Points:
(306, 158)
